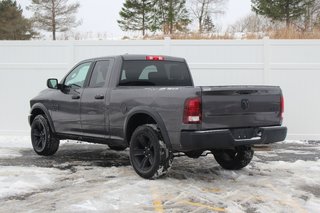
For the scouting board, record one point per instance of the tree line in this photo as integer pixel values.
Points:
(281, 19)
(168, 16)
(164, 17)
(172, 16)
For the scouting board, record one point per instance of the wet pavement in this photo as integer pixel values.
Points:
(86, 177)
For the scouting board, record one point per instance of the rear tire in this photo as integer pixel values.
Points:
(149, 155)
(233, 159)
(43, 141)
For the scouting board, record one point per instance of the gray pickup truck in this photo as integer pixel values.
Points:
(150, 104)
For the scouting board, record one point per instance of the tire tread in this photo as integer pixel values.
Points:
(52, 144)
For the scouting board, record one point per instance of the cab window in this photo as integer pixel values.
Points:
(99, 74)
(77, 77)
(155, 73)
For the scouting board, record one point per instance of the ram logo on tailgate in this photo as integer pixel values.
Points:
(244, 104)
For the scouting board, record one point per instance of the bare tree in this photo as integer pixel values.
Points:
(54, 15)
(203, 10)
(253, 23)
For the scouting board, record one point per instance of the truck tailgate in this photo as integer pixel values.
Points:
(240, 106)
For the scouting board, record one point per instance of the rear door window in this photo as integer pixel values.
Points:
(99, 74)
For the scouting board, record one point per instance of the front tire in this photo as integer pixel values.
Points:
(233, 159)
(43, 141)
(149, 155)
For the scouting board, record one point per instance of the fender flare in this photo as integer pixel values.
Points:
(152, 113)
(46, 112)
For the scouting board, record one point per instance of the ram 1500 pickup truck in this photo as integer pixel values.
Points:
(150, 104)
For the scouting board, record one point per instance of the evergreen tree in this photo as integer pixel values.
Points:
(309, 20)
(281, 10)
(208, 25)
(13, 25)
(171, 16)
(136, 16)
(54, 15)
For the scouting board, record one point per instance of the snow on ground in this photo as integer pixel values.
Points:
(87, 177)
(21, 180)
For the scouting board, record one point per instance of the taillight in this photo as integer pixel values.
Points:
(281, 107)
(192, 111)
(155, 58)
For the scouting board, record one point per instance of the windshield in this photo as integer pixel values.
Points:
(155, 73)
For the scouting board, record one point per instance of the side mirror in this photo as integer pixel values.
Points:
(52, 83)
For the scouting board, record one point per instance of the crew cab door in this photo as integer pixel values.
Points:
(94, 102)
(65, 105)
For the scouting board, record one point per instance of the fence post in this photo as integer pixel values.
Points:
(167, 45)
(71, 53)
(266, 60)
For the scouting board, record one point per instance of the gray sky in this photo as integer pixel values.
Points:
(101, 15)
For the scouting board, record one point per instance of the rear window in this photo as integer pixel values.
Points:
(155, 73)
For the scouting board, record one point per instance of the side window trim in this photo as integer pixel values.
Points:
(87, 82)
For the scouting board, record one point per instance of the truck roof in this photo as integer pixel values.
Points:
(132, 57)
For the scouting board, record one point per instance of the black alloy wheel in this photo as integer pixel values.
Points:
(149, 156)
(143, 152)
(39, 136)
(42, 139)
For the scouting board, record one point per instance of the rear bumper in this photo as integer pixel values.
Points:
(223, 138)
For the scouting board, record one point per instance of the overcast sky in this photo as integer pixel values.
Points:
(101, 15)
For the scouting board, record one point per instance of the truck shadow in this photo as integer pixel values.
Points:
(72, 156)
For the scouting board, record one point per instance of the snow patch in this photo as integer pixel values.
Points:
(15, 141)
(6, 153)
(20, 180)
(193, 185)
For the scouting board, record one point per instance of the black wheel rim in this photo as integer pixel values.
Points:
(39, 136)
(229, 155)
(143, 152)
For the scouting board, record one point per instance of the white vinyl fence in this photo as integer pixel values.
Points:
(292, 64)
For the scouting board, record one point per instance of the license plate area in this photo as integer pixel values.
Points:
(244, 133)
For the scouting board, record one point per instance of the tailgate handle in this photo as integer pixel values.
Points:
(246, 92)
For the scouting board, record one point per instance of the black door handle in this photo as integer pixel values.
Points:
(75, 96)
(99, 97)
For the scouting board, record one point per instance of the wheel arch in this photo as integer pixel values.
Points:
(40, 109)
(138, 116)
